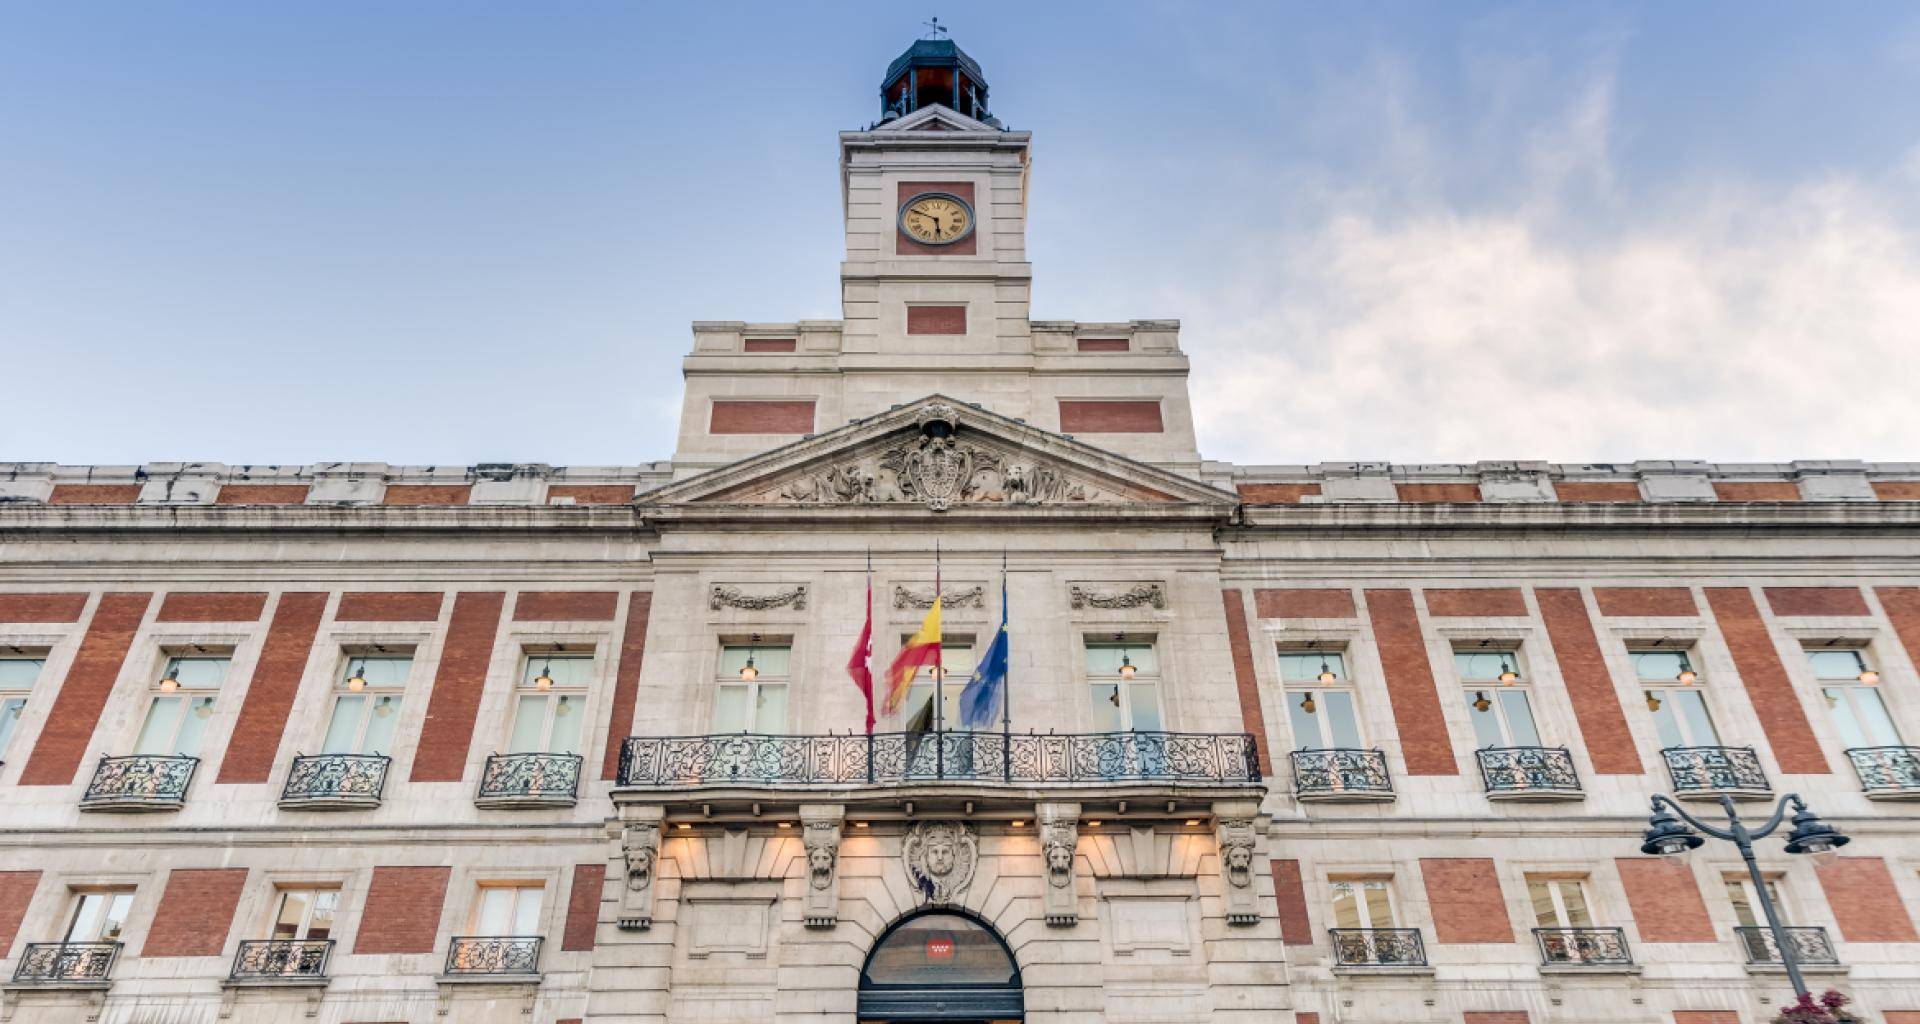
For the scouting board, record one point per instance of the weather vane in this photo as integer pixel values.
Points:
(934, 29)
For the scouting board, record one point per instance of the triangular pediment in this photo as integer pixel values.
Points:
(940, 454)
(935, 117)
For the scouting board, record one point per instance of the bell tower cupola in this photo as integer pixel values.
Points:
(934, 71)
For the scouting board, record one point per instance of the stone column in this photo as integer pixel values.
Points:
(820, 832)
(1059, 839)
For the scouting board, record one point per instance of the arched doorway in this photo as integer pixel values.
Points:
(940, 965)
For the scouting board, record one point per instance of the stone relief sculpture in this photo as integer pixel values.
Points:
(726, 595)
(968, 597)
(820, 836)
(939, 472)
(640, 847)
(940, 858)
(1237, 841)
(1140, 595)
(1059, 838)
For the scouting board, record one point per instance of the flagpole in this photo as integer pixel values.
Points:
(1006, 681)
(939, 678)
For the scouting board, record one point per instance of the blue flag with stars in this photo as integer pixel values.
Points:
(982, 701)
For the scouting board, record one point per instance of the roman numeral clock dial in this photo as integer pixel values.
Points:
(936, 218)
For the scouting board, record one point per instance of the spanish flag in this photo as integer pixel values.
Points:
(921, 649)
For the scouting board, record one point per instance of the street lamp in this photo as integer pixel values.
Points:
(1668, 833)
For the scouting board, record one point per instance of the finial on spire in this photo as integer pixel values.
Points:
(934, 29)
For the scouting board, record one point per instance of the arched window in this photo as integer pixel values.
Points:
(939, 966)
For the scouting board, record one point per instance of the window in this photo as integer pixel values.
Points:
(1320, 701)
(366, 704)
(1558, 902)
(1496, 696)
(507, 908)
(1362, 903)
(305, 913)
(549, 706)
(1746, 909)
(956, 660)
(99, 916)
(1676, 698)
(752, 693)
(1852, 690)
(17, 675)
(1125, 677)
(182, 703)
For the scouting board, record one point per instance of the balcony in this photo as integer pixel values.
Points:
(530, 780)
(1716, 771)
(1379, 950)
(66, 964)
(509, 958)
(319, 782)
(1583, 949)
(1888, 773)
(143, 782)
(1529, 773)
(288, 962)
(1336, 775)
(1811, 947)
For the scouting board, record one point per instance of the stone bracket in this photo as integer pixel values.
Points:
(639, 857)
(1059, 843)
(1234, 822)
(820, 826)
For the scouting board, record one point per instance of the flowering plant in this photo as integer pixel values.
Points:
(1830, 1008)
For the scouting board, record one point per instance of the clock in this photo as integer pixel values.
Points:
(936, 218)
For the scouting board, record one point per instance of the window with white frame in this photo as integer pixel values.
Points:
(1320, 699)
(1124, 676)
(98, 915)
(1496, 695)
(1852, 691)
(1361, 902)
(550, 703)
(751, 693)
(18, 672)
(366, 703)
(1746, 908)
(956, 667)
(503, 909)
(182, 704)
(1676, 697)
(1558, 902)
(305, 912)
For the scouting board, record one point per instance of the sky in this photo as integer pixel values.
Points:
(448, 233)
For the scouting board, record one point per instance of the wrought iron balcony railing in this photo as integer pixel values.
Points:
(143, 782)
(281, 960)
(66, 963)
(1340, 774)
(510, 955)
(1888, 771)
(1810, 946)
(1715, 770)
(1582, 947)
(1378, 947)
(335, 781)
(977, 757)
(1520, 773)
(530, 780)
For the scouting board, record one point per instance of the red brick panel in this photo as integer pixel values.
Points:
(626, 679)
(401, 913)
(1583, 670)
(593, 494)
(1902, 1016)
(1816, 600)
(42, 607)
(196, 912)
(1495, 1016)
(909, 246)
(261, 494)
(1476, 601)
(1464, 896)
(768, 344)
(1756, 490)
(1645, 601)
(788, 417)
(1424, 739)
(1103, 344)
(1424, 493)
(1768, 687)
(427, 494)
(94, 494)
(1296, 929)
(1251, 718)
(1897, 490)
(1709, 1017)
(1305, 1017)
(16, 891)
(1865, 901)
(276, 680)
(1304, 603)
(1597, 490)
(188, 606)
(1902, 605)
(583, 906)
(564, 605)
(389, 606)
(76, 707)
(948, 320)
(1276, 494)
(1665, 900)
(455, 701)
(1093, 417)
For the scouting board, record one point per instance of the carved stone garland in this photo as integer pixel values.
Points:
(727, 596)
(970, 597)
(1139, 595)
(940, 858)
(1059, 838)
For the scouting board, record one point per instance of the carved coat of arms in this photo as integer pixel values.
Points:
(940, 858)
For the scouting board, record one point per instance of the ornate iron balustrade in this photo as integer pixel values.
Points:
(1885, 770)
(530, 780)
(143, 782)
(1340, 774)
(1582, 947)
(1716, 770)
(336, 780)
(281, 958)
(891, 758)
(1528, 771)
(1810, 945)
(494, 954)
(1378, 947)
(55, 963)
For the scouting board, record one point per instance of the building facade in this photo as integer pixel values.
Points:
(1354, 742)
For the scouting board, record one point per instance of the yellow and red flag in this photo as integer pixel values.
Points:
(922, 649)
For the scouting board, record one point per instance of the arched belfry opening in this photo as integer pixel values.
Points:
(940, 965)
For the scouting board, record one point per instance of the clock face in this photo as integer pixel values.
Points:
(936, 218)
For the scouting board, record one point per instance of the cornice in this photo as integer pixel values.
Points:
(1429, 519)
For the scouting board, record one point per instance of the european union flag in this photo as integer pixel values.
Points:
(982, 701)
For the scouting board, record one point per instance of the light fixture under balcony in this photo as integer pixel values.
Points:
(748, 673)
(1508, 676)
(1869, 677)
(1480, 701)
(171, 681)
(544, 681)
(1126, 660)
(1653, 703)
(357, 678)
(1687, 674)
(1326, 677)
(1307, 704)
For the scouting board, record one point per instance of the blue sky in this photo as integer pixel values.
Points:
(450, 233)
